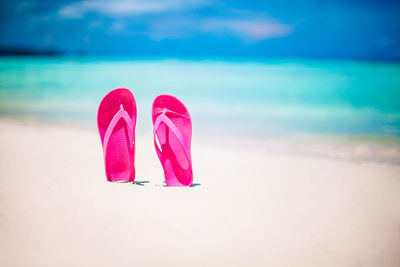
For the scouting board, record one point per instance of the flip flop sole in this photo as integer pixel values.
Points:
(172, 134)
(118, 142)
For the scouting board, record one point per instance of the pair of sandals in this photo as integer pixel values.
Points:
(172, 131)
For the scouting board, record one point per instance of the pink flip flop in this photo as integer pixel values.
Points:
(172, 138)
(116, 121)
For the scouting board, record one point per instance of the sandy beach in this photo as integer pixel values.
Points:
(247, 208)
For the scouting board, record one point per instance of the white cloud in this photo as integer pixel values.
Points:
(175, 28)
(128, 7)
(250, 29)
(72, 11)
(246, 29)
(246, 25)
(118, 27)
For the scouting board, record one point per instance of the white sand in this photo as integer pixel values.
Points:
(250, 209)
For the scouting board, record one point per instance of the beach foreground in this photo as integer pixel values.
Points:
(247, 208)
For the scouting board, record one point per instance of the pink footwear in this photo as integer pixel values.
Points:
(172, 138)
(116, 121)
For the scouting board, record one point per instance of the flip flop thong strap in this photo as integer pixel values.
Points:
(165, 111)
(121, 114)
(162, 118)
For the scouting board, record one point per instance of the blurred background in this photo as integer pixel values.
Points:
(266, 70)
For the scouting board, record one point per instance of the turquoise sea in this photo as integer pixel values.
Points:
(251, 98)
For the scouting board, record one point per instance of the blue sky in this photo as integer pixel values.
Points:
(206, 28)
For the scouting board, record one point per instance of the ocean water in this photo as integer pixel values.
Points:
(262, 98)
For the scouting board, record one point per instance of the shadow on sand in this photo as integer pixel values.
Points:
(164, 185)
(141, 183)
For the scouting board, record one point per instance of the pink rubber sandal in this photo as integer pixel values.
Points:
(172, 138)
(116, 121)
